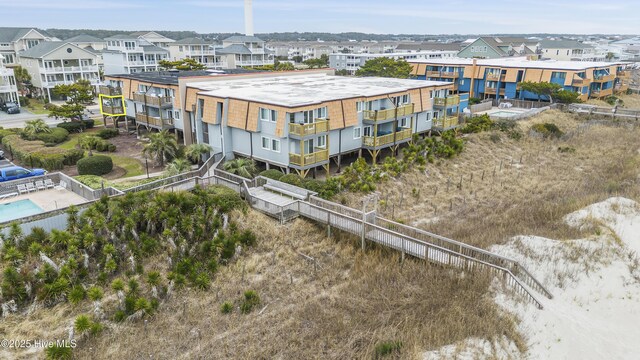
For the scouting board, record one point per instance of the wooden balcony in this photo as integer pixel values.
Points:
(445, 123)
(489, 90)
(604, 78)
(157, 122)
(452, 100)
(625, 74)
(599, 93)
(577, 81)
(493, 77)
(434, 74)
(316, 158)
(388, 114)
(386, 140)
(450, 75)
(316, 128)
(110, 90)
(155, 101)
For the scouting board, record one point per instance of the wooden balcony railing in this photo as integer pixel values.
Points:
(601, 92)
(110, 90)
(381, 115)
(450, 74)
(445, 122)
(150, 100)
(603, 78)
(112, 110)
(435, 74)
(451, 100)
(317, 127)
(490, 90)
(376, 141)
(163, 123)
(318, 156)
(580, 82)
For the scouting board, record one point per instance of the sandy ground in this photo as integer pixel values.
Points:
(596, 287)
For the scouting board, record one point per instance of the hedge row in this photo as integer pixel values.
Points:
(107, 133)
(77, 126)
(36, 154)
(56, 136)
(95, 165)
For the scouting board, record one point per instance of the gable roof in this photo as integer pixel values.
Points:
(242, 38)
(194, 41)
(121, 37)
(143, 34)
(563, 44)
(84, 38)
(235, 49)
(47, 47)
(12, 34)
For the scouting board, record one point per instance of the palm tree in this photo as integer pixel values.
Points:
(242, 167)
(36, 126)
(161, 146)
(178, 166)
(89, 143)
(194, 152)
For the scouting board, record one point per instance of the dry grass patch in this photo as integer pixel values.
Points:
(353, 303)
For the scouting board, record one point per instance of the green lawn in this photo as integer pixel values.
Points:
(71, 143)
(134, 167)
(37, 107)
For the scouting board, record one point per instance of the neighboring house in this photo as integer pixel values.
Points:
(315, 49)
(500, 78)
(570, 50)
(128, 54)
(353, 62)
(153, 99)
(495, 47)
(299, 121)
(154, 38)
(14, 40)
(243, 50)
(90, 43)
(52, 63)
(201, 50)
(8, 85)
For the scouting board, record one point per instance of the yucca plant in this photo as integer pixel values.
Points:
(241, 167)
(117, 284)
(82, 323)
(95, 293)
(59, 352)
(77, 294)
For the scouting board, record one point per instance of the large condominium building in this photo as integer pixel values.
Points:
(500, 78)
(296, 120)
(90, 43)
(352, 62)
(201, 50)
(8, 86)
(128, 54)
(15, 40)
(299, 121)
(244, 51)
(52, 63)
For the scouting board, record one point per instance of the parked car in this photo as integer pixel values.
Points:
(17, 172)
(13, 108)
(5, 105)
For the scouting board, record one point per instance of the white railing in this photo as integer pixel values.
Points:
(8, 88)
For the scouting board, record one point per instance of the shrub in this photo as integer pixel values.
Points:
(72, 126)
(547, 130)
(95, 293)
(225, 198)
(24, 101)
(272, 174)
(107, 133)
(612, 99)
(478, 124)
(59, 351)
(35, 154)
(474, 101)
(88, 124)
(82, 323)
(56, 136)
(95, 165)
(292, 179)
(226, 307)
(251, 300)
(566, 149)
(5, 132)
(387, 348)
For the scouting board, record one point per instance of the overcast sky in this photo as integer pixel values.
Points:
(370, 16)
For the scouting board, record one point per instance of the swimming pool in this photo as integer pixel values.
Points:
(503, 113)
(18, 209)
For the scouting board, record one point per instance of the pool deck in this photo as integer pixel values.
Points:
(513, 110)
(50, 199)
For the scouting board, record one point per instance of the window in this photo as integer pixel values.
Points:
(357, 133)
(205, 133)
(275, 145)
(322, 141)
(364, 105)
(268, 115)
(176, 114)
(180, 48)
(429, 115)
(431, 94)
(129, 45)
(321, 113)
(403, 123)
(405, 99)
(32, 43)
(292, 118)
(200, 108)
(367, 130)
(265, 143)
(461, 81)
